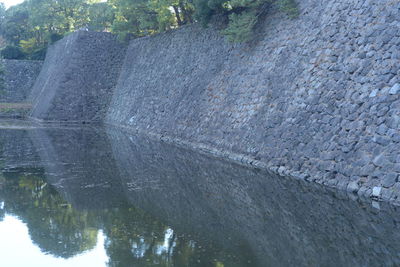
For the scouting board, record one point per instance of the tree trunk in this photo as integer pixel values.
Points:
(177, 14)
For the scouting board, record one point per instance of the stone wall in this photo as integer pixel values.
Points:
(19, 77)
(315, 98)
(77, 78)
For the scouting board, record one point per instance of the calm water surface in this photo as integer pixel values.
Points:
(86, 196)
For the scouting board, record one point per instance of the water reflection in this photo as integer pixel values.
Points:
(155, 204)
(131, 236)
(17, 249)
(53, 224)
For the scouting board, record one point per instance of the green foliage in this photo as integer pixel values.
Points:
(38, 54)
(289, 7)
(243, 14)
(14, 27)
(34, 24)
(144, 17)
(33, 49)
(28, 46)
(240, 27)
(205, 9)
(243, 21)
(133, 19)
(101, 16)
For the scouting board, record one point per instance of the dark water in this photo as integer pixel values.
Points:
(101, 197)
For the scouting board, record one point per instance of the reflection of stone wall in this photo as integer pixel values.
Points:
(281, 221)
(79, 163)
(20, 75)
(17, 150)
(77, 78)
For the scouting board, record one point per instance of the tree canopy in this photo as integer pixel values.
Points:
(28, 28)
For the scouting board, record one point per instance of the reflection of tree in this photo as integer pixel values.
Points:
(53, 224)
(133, 237)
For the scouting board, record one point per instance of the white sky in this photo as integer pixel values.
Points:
(9, 3)
(17, 249)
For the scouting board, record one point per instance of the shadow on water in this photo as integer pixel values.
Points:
(161, 205)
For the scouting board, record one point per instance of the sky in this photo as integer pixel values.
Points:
(17, 249)
(9, 3)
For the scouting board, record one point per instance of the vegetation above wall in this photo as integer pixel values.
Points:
(28, 28)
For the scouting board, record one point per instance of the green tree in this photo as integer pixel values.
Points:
(101, 17)
(15, 24)
(135, 18)
(34, 24)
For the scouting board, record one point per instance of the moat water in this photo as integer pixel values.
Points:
(88, 196)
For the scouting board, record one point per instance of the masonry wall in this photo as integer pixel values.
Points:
(315, 98)
(77, 78)
(19, 78)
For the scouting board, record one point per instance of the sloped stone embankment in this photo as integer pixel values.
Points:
(315, 98)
